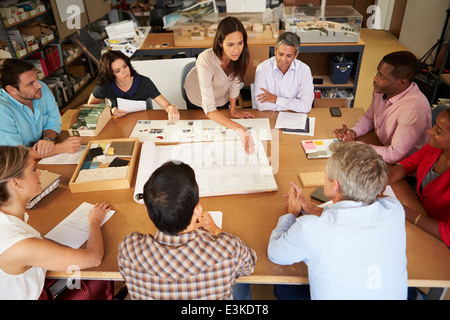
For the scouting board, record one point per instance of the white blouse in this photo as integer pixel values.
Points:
(207, 85)
(28, 285)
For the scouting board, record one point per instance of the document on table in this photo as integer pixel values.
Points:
(65, 158)
(131, 105)
(291, 120)
(73, 231)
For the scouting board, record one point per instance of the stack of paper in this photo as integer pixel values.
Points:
(295, 123)
(121, 30)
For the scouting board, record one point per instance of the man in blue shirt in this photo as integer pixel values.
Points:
(29, 115)
(356, 247)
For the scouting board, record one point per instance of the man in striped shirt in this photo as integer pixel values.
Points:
(189, 257)
(400, 113)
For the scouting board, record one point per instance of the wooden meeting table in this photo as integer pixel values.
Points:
(252, 217)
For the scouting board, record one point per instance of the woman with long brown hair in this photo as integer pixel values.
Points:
(215, 80)
(118, 79)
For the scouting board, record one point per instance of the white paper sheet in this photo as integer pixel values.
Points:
(73, 231)
(291, 120)
(217, 217)
(131, 105)
(161, 131)
(220, 167)
(389, 192)
(65, 158)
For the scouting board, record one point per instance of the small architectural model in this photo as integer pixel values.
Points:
(323, 31)
(337, 24)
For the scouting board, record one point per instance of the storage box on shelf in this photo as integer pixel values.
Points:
(333, 97)
(21, 12)
(337, 24)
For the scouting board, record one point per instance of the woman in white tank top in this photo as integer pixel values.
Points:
(24, 254)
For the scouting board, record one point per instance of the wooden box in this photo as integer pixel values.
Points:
(70, 117)
(100, 185)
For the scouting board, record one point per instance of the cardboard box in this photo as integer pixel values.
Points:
(33, 29)
(102, 185)
(70, 117)
(257, 55)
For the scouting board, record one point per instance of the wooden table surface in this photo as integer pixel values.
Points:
(251, 217)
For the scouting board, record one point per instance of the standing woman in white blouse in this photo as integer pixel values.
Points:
(214, 81)
(25, 256)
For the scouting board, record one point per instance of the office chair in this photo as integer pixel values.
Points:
(156, 20)
(149, 104)
(184, 73)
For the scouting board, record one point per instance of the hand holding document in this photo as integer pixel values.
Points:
(73, 231)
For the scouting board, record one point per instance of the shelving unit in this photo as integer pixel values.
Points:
(316, 55)
(69, 57)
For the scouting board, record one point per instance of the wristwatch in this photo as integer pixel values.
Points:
(50, 139)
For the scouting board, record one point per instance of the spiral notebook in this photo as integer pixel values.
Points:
(49, 182)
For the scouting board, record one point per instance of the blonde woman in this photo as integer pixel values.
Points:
(24, 255)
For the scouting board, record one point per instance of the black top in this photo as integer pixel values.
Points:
(141, 89)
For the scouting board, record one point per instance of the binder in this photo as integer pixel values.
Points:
(40, 65)
(49, 182)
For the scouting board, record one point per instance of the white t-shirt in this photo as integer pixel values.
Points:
(28, 285)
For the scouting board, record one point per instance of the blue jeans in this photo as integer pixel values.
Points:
(241, 291)
(291, 292)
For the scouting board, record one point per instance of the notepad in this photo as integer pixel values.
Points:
(316, 149)
(312, 179)
(49, 182)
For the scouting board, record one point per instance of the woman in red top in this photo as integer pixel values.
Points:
(432, 167)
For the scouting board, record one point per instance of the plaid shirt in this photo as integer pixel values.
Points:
(193, 265)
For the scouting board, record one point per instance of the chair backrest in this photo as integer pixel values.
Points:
(184, 73)
(149, 104)
(166, 74)
(156, 19)
(436, 111)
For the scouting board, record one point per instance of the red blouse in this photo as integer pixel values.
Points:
(435, 197)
